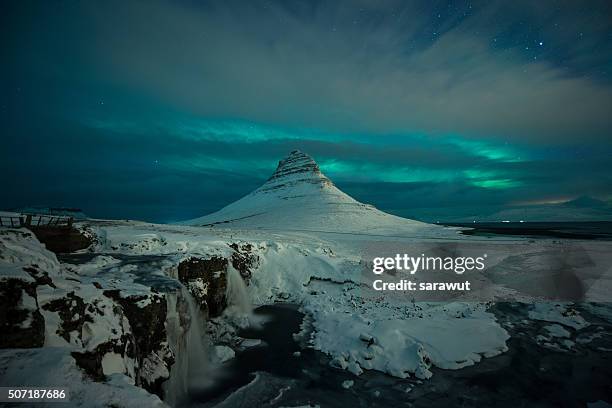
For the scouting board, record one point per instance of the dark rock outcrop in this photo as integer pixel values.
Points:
(62, 240)
(41, 277)
(206, 279)
(244, 260)
(71, 310)
(147, 316)
(142, 346)
(91, 361)
(298, 167)
(107, 331)
(21, 324)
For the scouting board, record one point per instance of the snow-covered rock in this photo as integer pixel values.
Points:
(562, 313)
(25, 264)
(223, 353)
(206, 279)
(106, 326)
(54, 367)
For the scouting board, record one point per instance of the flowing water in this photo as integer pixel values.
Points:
(238, 300)
(192, 371)
(185, 325)
(280, 372)
(597, 230)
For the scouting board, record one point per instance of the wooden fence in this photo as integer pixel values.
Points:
(36, 221)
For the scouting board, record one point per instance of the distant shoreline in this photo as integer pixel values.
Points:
(592, 230)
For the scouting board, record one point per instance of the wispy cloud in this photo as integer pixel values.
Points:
(347, 69)
(405, 104)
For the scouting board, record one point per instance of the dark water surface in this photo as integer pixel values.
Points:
(600, 230)
(526, 375)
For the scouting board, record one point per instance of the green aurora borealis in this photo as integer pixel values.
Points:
(166, 111)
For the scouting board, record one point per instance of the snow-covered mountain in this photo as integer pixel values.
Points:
(581, 209)
(299, 197)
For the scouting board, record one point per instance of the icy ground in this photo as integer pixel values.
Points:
(325, 278)
(358, 329)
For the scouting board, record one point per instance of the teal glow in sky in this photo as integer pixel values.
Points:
(357, 169)
(170, 110)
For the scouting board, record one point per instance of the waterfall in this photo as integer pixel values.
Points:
(186, 338)
(238, 300)
(185, 327)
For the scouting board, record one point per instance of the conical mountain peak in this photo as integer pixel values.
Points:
(299, 197)
(296, 162)
(297, 168)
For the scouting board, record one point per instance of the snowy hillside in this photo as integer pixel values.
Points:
(580, 209)
(299, 197)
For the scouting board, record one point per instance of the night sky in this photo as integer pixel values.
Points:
(166, 111)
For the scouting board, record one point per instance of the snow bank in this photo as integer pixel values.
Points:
(20, 249)
(54, 367)
(562, 313)
(409, 346)
(360, 333)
